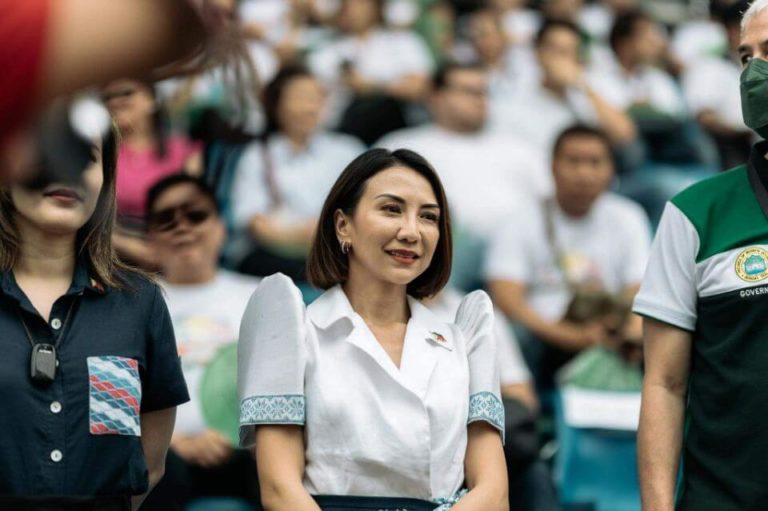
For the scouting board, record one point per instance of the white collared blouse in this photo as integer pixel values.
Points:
(370, 428)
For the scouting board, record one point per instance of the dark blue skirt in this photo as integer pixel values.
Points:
(345, 503)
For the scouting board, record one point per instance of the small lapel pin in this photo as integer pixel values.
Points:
(437, 337)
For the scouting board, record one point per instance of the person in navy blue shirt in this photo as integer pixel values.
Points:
(89, 373)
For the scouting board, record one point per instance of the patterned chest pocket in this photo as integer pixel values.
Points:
(115, 396)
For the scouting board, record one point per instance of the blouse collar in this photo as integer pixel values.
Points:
(333, 306)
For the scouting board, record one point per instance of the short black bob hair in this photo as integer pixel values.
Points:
(327, 266)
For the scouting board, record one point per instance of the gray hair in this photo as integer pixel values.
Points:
(753, 10)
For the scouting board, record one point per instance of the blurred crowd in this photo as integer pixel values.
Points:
(559, 128)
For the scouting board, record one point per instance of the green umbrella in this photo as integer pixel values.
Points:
(218, 393)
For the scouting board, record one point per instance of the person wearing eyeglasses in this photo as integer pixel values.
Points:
(147, 153)
(89, 369)
(206, 304)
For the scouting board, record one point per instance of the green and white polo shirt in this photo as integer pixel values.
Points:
(708, 273)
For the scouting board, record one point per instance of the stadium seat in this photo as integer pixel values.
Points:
(595, 469)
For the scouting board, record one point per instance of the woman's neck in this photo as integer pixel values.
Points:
(298, 142)
(139, 135)
(45, 256)
(379, 303)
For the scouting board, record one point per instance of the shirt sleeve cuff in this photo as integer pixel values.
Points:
(675, 318)
(487, 407)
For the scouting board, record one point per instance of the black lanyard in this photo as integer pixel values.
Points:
(56, 341)
(757, 186)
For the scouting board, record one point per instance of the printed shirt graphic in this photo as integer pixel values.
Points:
(115, 396)
(199, 338)
(708, 274)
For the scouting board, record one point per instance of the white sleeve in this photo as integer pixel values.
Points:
(535, 173)
(636, 231)
(272, 357)
(414, 54)
(512, 367)
(669, 289)
(701, 88)
(665, 94)
(325, 62)
(475, 320)
(390, 141)
(609, 88)
(249, 192)
(508, 255)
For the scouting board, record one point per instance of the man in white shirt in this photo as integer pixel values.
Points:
(371, 71)
(584, 236)
(561, 96)
(483, 172)
(510, 66)
(634, 80)
(206, 304)
(711, 87)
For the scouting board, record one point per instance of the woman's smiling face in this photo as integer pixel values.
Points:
(394, 229)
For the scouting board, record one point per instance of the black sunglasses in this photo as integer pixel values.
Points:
(167, 219)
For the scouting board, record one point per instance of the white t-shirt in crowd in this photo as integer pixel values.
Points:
(713, 84)
(302, 179)
(205, 318)
(597, 20)
(608, 247)
(512, 367)
(521, 25)
(648, 85)
(370, 428)
(552, 115)
(383, 57)
(483, 173)
(520, 71)
(695, 39)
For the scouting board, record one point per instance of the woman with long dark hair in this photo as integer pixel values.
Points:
(90, 374)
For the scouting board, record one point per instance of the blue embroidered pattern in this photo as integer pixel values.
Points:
(485, 406)
(447, 503)
(281, 409)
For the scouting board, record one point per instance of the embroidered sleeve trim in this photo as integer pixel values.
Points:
(446, 503)
(485, 406)
(280, 409)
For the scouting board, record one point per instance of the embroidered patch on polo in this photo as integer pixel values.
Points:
(115, 396)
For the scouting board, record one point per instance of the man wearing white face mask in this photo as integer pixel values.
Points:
(704, 298)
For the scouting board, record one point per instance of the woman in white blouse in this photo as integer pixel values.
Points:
(281, 180)
(367, 396)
